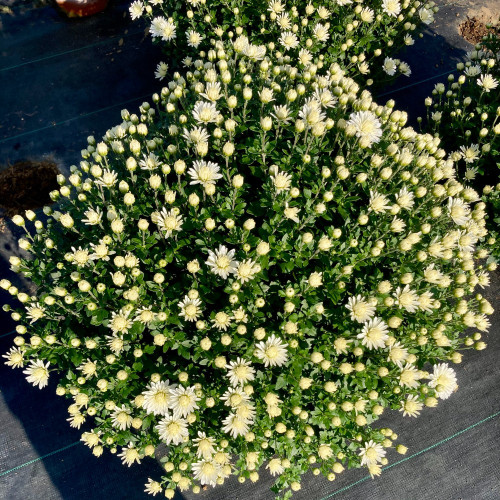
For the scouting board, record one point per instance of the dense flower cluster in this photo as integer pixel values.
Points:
(251, 271)
(359, 35)
(466, 114)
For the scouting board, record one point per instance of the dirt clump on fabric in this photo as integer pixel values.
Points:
(474, 29)
(25, 185)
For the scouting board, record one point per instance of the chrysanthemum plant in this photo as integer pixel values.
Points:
(251, 271)
(358, 35)
(466, 114)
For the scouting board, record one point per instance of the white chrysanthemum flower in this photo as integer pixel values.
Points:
(311, 113)
(240, 372)
(14, 357)
(411, 406)
(281, 180)
(169, 221)
(470, 153)
(153, 487)
(487, 82)
(120, 322)
(91, 438)
(473, 70)
(397, 225)
(305, 57)
(426, 15)
(283, 21)
(121, 418)
(443, 380)
(397, 354)
(35, 312)
(145, 315)
(76, 420)
(80, 257)
(246, 270)
(367, 15)
(289, 40)
(406, 298)
(162, 28)
(391, 7)
(361, 310)
(183, 401)
(255, 52)
(459, 211)
(190, 308)
(320, 32)
(38, 373)
(234, 397)
(275, 467)
(197, 135)
(172, 429)
(205, 446)
(292, 213)
(374, 334)
(221, 321)
(390, 66)
(213, 91)
(205, 112)
(409, 376)
(101, 251)
(276, 6)
(371, 453)
(366, 125)
(282, 113)
(221, 262)
(150, 162)
(272, 352)
(130, 455)
(108, 178)
(136, 10)
(157, 397)
(204, 173)
(378, 202)
(235, 426)
(426, 302)
(325, 98)
(161, 70)
(206, 471)
(194, 38)
(92, 216)
(405, 198)
(88, 368)
(115, 343)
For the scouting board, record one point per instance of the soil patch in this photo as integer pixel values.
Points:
(473, 30)
(26, 185)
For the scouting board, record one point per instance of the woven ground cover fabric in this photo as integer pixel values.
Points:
(80, 79)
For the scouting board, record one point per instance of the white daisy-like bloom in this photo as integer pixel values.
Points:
(281, 180)
(320, 32)
(374, 334)
(408, 40)
(371, 453)
(205, 445)
(101, 251)
(397, 225)
(409, 377)
(406, 298)
(234, 397)
(289, 40)
(115, 343)
(483, 279)
(221, 262)
(272, 352)
(93, 216)
(459, 211)
(433, 275)
(426, 302)
(246, 411)
(108, 178)
(255, 52)
(482, 323)
(157, 397)
(149, 162)
(190, 308)
(187, 62)
(91, 438)
(405, 198)
(366, 125)
(411, 406)
(153, 487)
(169, 221)
(378, 202)
(276, 6)
(282, 113)
(325, 98)
(305, 57)
(121, 418)
(283, 21)
(390, 66)
(443, 380)
(246, 270)
(197, 135)
(206, 471)
(145, 315)
(205, 112)
(204, 173)
(397, 354)
(487, 82)
(161, 70)
(311, 113)
(292, 213)
(35, 312)
(130, 455)
(14, 357)
(235, 426)
(162, 28)
(120, 322)
(172, 429)
(360, 309)
(470, 153)
(426, 15)
(76, 420)
(367, 15)
(194, 38)
(88, 368)
(240, 372)
(213, 91)
(473, 70)
(391, 7)
(183, 401)
(136, 10)
(80, 257)
(38, 373)
(274, 466)
(222, 320)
